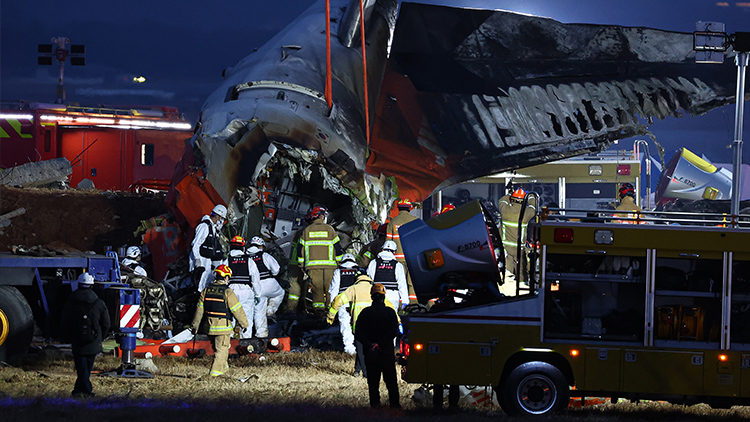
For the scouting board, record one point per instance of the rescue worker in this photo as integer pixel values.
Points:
(318, 253)
(356, 297)
(627, 203)
(404, 216)
(132, 261)
(378, 327)
(343, 277)
(244, 281)
(386, 270)
(297, 284)
(269, 293)
(510, 212)
(220, 305)
(368, 253)
(206, 252)
(447, 207)
(85, 321)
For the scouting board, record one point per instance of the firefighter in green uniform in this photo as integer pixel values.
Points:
(510, 210)
(318, 253)
(219, 304)
(627, 203)
(403, 217)
(297, 285)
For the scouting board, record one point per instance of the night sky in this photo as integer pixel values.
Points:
(181, 48)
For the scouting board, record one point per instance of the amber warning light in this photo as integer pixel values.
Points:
(563, 235)
(434, 258)
(418, 347)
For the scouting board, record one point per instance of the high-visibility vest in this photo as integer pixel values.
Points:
(319, 244)
(214, 304)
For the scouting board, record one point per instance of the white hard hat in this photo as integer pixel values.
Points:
(220, 210)
(258, 241)
(133, 252)
(348, 258)
(86, 278)
(390, 245)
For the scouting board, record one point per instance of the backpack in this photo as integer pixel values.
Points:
(87, 326)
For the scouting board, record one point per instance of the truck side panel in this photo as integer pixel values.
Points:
(16, 276)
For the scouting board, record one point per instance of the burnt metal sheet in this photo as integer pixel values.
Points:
(502, 90)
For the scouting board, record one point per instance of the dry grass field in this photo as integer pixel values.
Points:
(306, 386)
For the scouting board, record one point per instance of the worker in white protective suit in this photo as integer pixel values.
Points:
(386, 270)
(343, 277)
(269, 293)
(132, 260)
(206, 253)
(244, 281)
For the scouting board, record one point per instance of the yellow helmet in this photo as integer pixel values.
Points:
(222, 271)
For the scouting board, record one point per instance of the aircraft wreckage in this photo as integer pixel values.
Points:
(451, 94)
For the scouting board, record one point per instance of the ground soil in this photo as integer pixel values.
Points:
(87, 220)
(307, 386)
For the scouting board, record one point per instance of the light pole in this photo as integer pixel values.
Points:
(741, 61)
(710, 42)
(57, 50)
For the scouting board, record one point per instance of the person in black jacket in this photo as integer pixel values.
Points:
(377, 327)
(85, 321)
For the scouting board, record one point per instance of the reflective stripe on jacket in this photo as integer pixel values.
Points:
(357, 297)
(510, 212)
(319, 246)
(213, 306)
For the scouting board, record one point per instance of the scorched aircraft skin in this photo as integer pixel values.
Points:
(454, 94)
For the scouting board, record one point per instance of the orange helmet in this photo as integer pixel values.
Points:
(447, 207)
(403, 204)
(377, 289)
(222, 271)
(237, 241)
(518, 194)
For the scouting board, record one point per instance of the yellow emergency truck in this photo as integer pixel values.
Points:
(584, 182)
(658, 310)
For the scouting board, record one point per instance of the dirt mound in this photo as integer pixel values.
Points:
(85, 220)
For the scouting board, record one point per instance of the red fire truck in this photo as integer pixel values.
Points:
(116, 148)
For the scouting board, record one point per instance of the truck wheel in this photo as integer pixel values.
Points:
(535, 388)
(16, 325)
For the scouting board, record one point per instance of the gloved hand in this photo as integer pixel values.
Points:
(237, 331)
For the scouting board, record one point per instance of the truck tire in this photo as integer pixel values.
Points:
(16, 325)
(534, 389)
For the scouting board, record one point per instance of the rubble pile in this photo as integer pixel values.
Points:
(84, 220)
